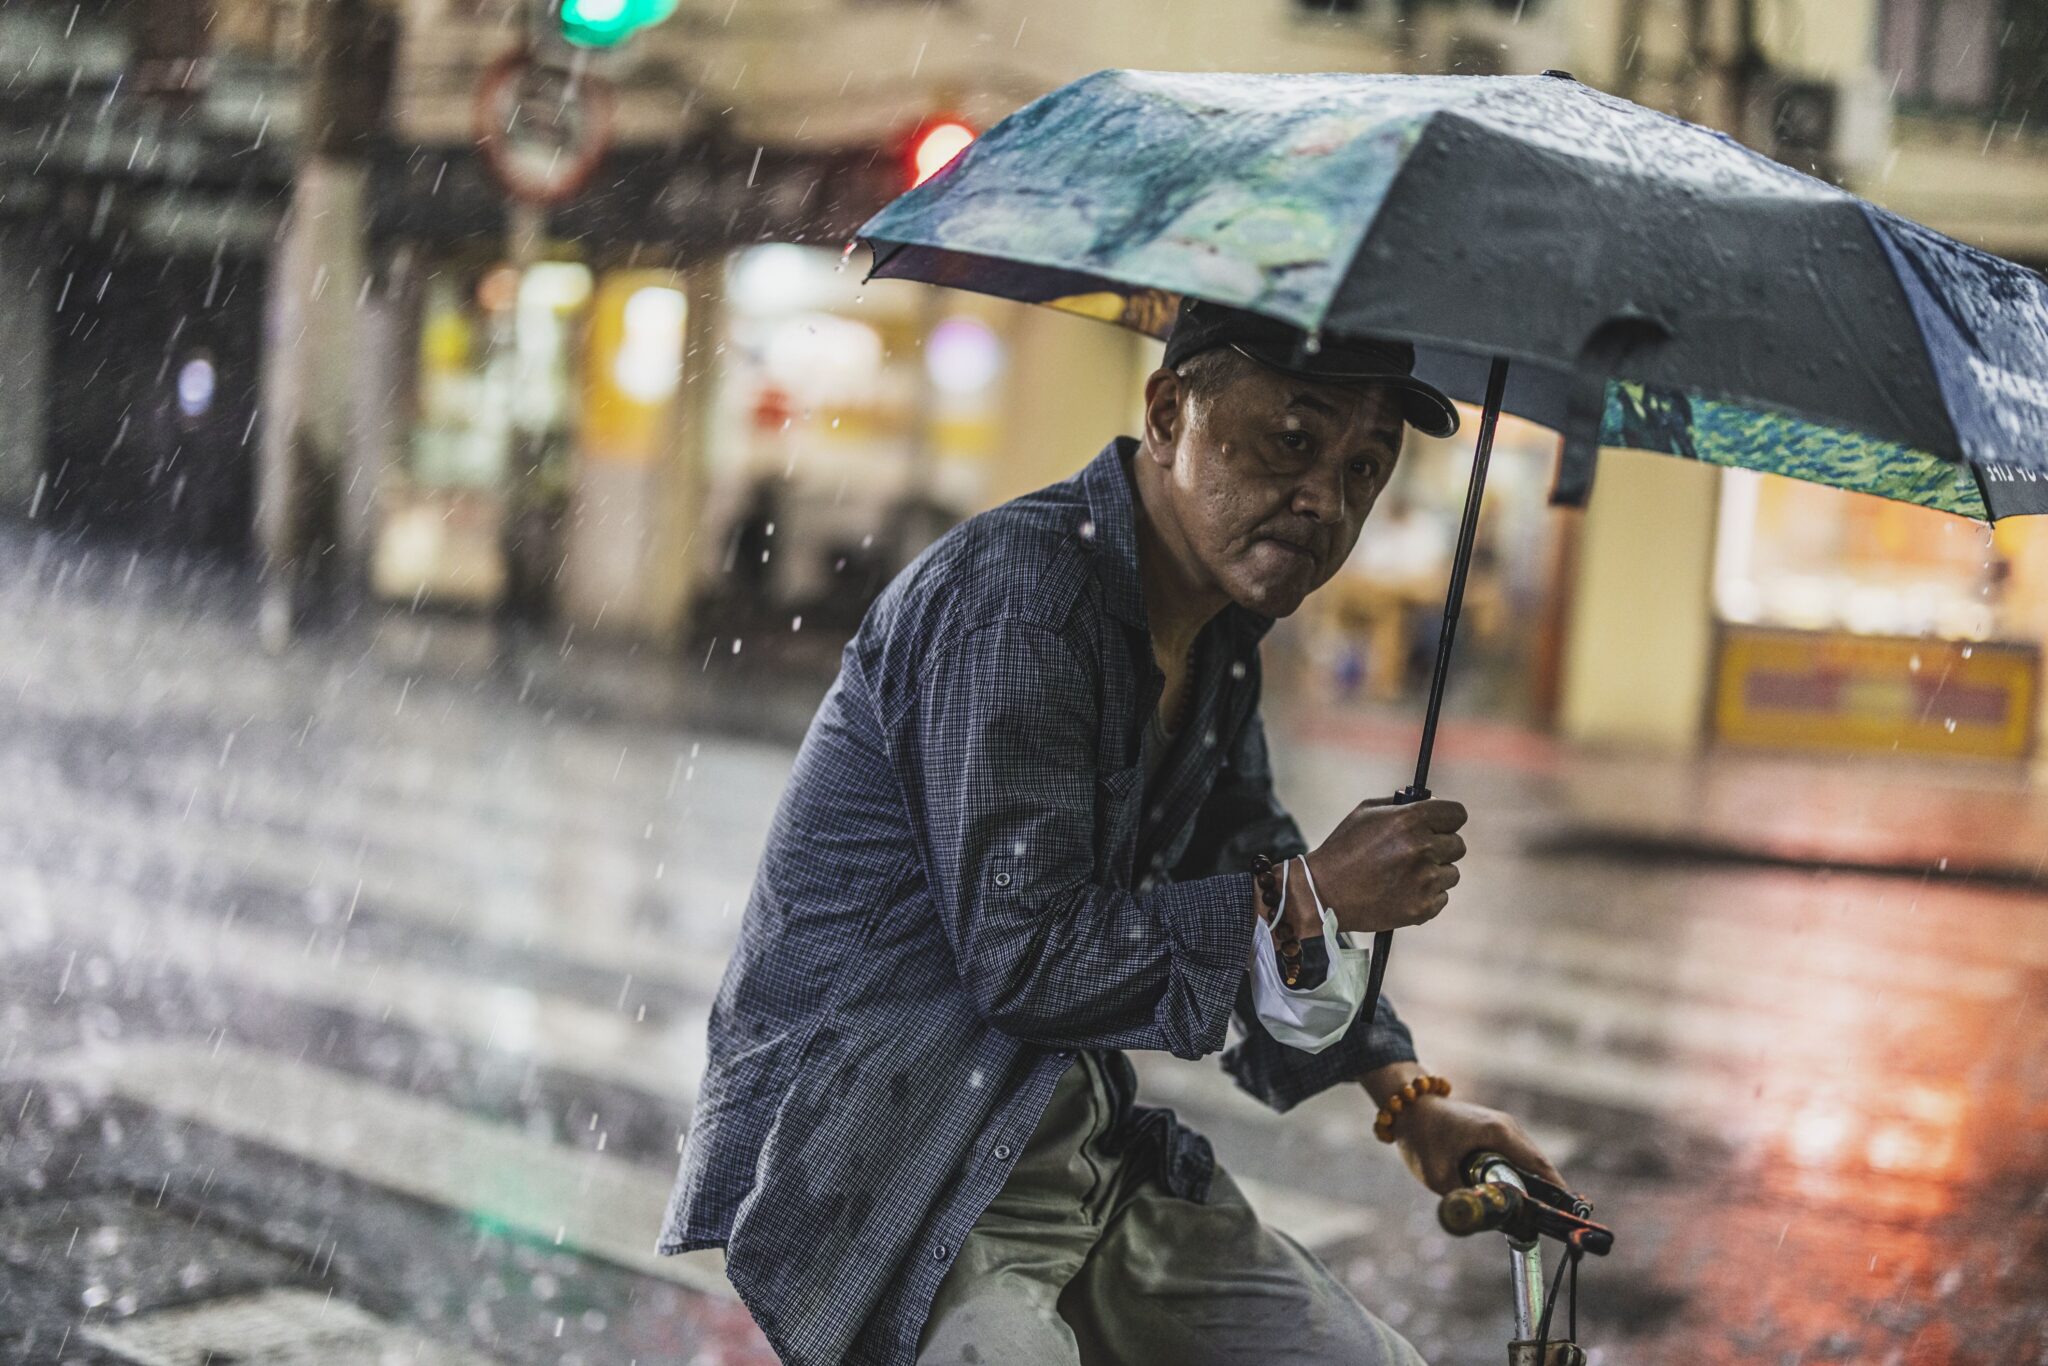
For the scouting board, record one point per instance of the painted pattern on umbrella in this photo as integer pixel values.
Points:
(1669, 422)
(1263, 210)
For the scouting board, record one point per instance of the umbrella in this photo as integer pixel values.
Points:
(1621, 275)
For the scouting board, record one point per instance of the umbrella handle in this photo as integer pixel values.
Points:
(1454, 599)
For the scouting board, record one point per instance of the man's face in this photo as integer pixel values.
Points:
(1271, 476)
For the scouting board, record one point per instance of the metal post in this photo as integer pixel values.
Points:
(1526, 1259)
(1454, 600)
(1461, 563)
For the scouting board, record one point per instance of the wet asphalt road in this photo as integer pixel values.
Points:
(351, 1002)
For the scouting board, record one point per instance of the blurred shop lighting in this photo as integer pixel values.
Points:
(650, 359)
(196, 381)
(1859, 565)
(937, 145)
(779, 277)
(825, 359)
(963, 356)
(559, 286)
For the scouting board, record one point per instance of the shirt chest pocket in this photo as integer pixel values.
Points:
(1119, 797)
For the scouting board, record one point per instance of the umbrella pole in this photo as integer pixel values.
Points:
(1454, 600)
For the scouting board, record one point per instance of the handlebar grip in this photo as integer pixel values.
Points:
(1480, 1209)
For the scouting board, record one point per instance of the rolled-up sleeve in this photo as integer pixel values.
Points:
(998, 751)
(1243, 818)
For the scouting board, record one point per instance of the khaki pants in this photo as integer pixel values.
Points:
(1083, 1259)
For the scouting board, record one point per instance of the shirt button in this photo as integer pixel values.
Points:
(1002, 1152)
(939, 1253)
(1002, 879)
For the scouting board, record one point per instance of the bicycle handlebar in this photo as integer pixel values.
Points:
(1521, 1206)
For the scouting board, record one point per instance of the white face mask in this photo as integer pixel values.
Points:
(1314, 1019)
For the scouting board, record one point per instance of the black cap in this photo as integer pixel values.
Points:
(1204, 326)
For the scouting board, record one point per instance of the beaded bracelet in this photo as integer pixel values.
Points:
(1424, 1085)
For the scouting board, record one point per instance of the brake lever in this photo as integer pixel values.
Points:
(1522, 1207)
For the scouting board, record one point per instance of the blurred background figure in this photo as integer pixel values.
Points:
(444, 447)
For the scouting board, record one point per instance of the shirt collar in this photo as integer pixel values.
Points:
(1110, 531)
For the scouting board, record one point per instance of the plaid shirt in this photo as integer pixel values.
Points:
(967, 881)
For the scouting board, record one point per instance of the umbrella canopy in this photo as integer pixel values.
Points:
(1656, 284)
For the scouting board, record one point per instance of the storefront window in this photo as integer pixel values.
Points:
(489, 448)
(496, 374)
(1850, 622)
(1798, 555)
(852, 420)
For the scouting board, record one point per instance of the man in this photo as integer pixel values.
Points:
(1014, 843)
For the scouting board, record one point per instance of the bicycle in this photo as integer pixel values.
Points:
(1499, 1196)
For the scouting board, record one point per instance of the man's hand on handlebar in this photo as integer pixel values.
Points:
(1435, 1133)
(1388, 866)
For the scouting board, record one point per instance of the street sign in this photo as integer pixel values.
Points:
(542, 129)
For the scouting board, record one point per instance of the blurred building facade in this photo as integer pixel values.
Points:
(667, 393)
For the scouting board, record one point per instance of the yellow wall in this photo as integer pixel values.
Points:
(1639, 646)
(1991, 193)
(637, 492)
(1830, 38)
(1068, 391)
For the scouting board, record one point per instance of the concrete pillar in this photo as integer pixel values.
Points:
(1069, 390)
(311, 353)
(637, 490)
(312, 344)
(381, 406)
(1639, 645)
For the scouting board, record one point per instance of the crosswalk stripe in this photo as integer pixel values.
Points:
(601, 935)
(281, 1326)
(563, 1034)
(594, 1204)
(1724, 949)
(1703, 1079)
(663, 1059)
(1717, 966)
(604, 1043)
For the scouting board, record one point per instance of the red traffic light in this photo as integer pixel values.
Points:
(936, 144)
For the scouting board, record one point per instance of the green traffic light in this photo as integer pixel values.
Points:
(607, 23)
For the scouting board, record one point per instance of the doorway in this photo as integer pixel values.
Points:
(155, 364)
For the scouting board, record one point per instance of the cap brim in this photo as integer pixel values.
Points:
(1424, 407)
